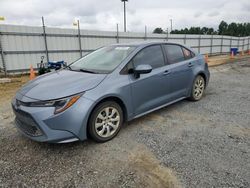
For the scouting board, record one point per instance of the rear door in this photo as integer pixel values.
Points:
(180, 67)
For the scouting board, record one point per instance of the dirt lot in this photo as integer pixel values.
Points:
(201, 144)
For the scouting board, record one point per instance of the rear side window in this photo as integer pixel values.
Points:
(151, 55)
(174, 53)
(187, 53)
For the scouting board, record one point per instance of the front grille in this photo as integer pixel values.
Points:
(26, 123)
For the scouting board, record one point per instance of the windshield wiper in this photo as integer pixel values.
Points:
(82, 70)
(88, 71)
(68, 67)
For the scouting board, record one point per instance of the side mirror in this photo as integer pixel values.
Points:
(142, 69)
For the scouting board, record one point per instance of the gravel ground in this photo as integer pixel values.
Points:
(188, 144)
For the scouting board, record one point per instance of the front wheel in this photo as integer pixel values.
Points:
(197, 88)
(105, 121)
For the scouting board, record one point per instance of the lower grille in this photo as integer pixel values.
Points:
(26, 123)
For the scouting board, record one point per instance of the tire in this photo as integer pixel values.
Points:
(101, 127)
(198, 88)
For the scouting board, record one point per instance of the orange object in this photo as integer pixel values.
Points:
(232, 55)
(206, 58)
(32, 73)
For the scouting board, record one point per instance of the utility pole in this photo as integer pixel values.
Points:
(117, 33)
(45, 40)
(167, 35)
(124, 12)
(77, 23)
(79, 37)
(171, 25)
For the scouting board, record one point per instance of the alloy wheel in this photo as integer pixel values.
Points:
(107, 122)
(199, 87)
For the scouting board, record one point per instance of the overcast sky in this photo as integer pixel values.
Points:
(103, 15)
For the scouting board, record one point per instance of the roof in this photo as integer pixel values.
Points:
(143, 43)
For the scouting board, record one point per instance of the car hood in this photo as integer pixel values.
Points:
(60, 84)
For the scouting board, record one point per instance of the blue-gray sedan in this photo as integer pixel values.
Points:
(95, 95)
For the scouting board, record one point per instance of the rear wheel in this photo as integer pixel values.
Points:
(197, 88)
(105, 121)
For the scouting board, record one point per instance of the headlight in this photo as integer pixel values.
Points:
(59, 104)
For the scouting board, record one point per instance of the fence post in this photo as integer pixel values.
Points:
(45, 40)
(211, 45)
(79, 37)
(185, 38)
(248, 43)
(167, 35)
(230, 44)
(199, 44)
(221, 44)
(238, 44)
(243, 46)
(2, 57)
(117, 33)
(145, 37)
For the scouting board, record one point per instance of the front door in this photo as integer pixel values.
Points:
(149, 90)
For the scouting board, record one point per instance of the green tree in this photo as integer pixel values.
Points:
(232, 29)
(223, 28)
(211, 31)
(204, 30)
(158, 30)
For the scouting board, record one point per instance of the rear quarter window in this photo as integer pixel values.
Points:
(187, 53)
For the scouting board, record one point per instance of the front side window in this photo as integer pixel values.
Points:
(174, 53)
(151, 55)
(103, 60)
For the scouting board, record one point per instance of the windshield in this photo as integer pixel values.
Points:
(103, 60)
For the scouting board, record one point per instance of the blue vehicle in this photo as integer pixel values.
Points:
(47, 67)
(92, 97)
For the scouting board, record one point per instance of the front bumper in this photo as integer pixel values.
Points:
(42, 125)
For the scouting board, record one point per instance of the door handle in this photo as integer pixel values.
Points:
(190, 64)
(166, 72)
